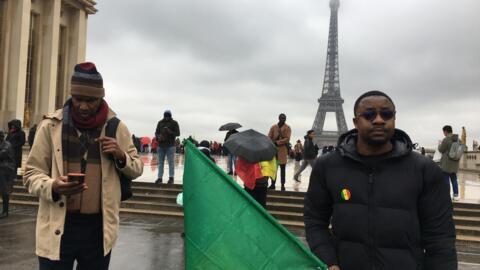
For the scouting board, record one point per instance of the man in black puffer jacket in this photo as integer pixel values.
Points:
(388, 206)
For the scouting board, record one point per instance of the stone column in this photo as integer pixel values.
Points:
(77, 47)
(17, 60)
(49, 52)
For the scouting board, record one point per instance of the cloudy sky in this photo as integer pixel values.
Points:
(246, 61)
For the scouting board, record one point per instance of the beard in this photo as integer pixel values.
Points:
(376, 141)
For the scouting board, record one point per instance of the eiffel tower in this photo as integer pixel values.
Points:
(330, 101)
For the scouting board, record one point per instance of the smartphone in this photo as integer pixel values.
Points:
(79, 177)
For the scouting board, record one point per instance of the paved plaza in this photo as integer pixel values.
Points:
(149, 242)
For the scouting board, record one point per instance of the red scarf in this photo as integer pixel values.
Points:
(94, 122)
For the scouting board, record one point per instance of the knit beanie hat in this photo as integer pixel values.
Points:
(87, 81)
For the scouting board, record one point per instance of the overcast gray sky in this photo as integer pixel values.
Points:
(246, 61)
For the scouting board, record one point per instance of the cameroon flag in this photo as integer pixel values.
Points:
(227, 229)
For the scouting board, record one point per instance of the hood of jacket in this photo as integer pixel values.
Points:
(15, 123)
(454, 137)
(347, 145)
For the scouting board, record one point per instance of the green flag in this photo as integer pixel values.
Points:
(227, 229)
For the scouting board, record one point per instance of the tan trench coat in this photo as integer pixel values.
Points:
(281, 136)
(45, 163)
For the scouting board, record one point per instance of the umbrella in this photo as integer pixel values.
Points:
(230, 126)
(251, 146)
(145, 140)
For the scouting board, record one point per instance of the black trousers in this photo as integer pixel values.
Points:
(259, 193)
(282, 173)
(5, 200)
(82, 241)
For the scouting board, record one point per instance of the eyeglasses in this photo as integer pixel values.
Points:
(371, 115)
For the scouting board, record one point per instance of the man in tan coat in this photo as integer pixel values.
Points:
(280, 134)
(78, 219)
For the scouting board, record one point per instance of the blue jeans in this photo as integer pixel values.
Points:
(231, 162)
(451, 177)
(170, 153)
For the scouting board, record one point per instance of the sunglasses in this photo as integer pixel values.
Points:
(370, 115)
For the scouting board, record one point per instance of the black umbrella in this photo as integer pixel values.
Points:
(251, 146)
(230, 126)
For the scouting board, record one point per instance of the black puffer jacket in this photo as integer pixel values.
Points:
(388, 212)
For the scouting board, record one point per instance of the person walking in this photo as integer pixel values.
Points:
(280, 134)
(388, 206)
(16, 137)
(309, 154)
(448, 165)
(298, 150)
(78, 219)
(7, 172)
(167, 130)
(231, 157)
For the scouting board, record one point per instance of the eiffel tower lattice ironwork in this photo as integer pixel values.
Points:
(330, 101)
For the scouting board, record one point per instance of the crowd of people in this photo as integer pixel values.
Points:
(388, 206)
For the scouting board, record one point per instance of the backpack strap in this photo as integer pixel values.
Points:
(125, 182)
(111, 128)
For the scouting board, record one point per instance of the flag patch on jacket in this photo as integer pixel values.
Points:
(346, 195)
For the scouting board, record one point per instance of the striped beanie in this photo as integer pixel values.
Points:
(86, 81)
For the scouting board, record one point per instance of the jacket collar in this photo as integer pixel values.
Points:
(347, 145)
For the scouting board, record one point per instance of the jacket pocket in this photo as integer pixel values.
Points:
(415, 251)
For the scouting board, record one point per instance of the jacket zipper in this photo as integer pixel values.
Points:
(370, 220)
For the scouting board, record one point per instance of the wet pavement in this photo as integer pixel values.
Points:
(469, 183)
(145, 243)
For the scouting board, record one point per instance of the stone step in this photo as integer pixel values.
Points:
(166, 213)
(467, 221)
(467, 239)
(466, 205)
(149, 205)
(23, 197)
(286, 207)
(159, 194)
(151, 212)
(467, 230)
(154, 197)
(466, 212)
(467, 235)
(281, 215)
(286, 223)
(469, 253)
(177, 188)
(284, 199)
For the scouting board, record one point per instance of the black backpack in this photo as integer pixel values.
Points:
(125, 181)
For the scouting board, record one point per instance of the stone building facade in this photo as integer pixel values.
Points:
(40, 42)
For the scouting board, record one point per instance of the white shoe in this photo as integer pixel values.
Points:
(456, 197)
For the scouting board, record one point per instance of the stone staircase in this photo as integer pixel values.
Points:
(287, 207)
